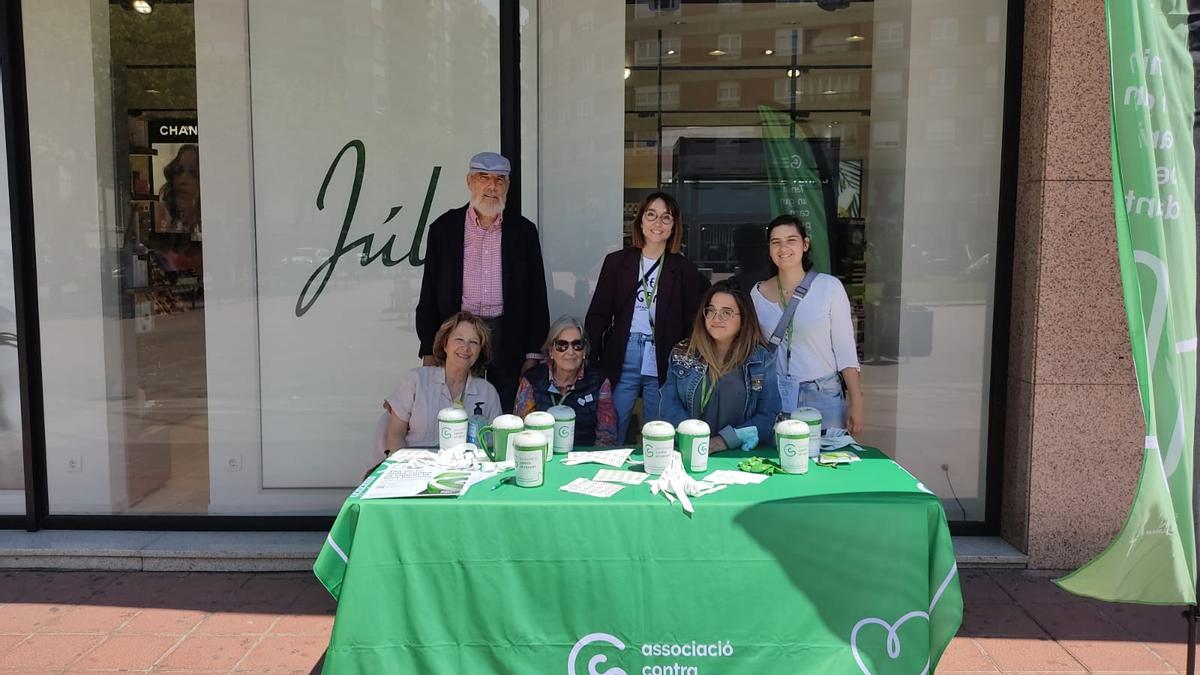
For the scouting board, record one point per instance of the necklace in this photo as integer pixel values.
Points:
(462, 391)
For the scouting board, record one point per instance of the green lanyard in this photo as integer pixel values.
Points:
(706, 391)
(650, 291)
(783, 305)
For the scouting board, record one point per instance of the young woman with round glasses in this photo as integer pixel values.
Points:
(644, 302)
(564, 379)
(724, 374)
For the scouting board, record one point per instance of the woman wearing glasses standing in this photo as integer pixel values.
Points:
(816, 352)
(723, 374)
(644, 303)
(564, 380)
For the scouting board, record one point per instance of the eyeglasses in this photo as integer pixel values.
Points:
(562, 345)
(656, 217)
(723, 313)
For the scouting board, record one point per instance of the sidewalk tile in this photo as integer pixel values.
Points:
(1011, 655)
(126, 652)
(964, 655)
(999, 621)
(979, 587)
(273, 592)
(9, 641)
(1149, 622)
(1174, 653)
(303, 624)
(48, 651)
(1026, 587)
(140, 589)
(288, 653)
(208, 591)
(66, 587)
(203, 652)
(236, 623)
(90, 619)
(24, 618)
(314, 599)
(1116, 656)
(1076, 621)
(163, 621)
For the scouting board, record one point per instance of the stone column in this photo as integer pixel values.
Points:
(1073, 438)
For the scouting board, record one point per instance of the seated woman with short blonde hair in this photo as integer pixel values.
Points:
(462, 349)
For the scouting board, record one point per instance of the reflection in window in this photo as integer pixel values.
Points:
(944, 30)
(943, 80)
(729, 46)
(729, 94)
(889, 34)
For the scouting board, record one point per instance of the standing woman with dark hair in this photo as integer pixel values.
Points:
(816, 355)
(723, 374)
(644, 303)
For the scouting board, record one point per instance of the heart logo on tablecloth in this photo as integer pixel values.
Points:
(893, 629)
(893, 638)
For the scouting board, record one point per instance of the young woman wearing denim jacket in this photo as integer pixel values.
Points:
(818, 354)
(723, 374)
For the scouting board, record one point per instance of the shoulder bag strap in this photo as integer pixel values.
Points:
(786, 320)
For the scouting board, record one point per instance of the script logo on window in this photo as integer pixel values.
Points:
(596, 660)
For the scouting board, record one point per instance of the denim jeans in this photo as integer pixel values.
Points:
(633, 384)
(825, 395)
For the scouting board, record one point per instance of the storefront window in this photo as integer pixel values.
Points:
(117, 206)
(878, 123)
(235, 363)
(12, 458)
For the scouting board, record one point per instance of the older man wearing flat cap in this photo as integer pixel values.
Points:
(479, 260)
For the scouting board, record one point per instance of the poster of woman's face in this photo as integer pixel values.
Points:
(178, 186)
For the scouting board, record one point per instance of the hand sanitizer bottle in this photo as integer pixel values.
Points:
(476, 422)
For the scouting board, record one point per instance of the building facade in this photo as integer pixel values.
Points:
(209, 348)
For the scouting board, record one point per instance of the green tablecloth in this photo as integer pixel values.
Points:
(846, 570)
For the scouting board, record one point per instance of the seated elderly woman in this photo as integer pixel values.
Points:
(461, 348)
(564, 380)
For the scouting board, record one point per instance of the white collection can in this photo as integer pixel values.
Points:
(564, 428)
(813, 417)
(658, 444)
(792, 439)
(692, 437)
(452, 427)
(543, 423)
(530, 448)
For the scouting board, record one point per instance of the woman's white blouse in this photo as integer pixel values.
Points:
(422, 392)
(822, 331)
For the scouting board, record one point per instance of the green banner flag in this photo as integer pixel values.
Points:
(1153, 558)
(794, 172)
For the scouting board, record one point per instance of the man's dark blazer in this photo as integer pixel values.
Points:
(526, 316)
